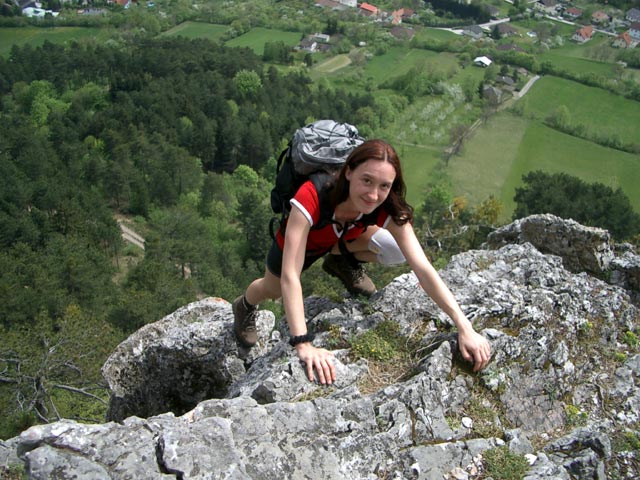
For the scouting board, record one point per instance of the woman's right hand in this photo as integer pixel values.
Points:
(320, 359)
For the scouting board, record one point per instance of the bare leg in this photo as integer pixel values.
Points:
(267, 287)
(360, 246)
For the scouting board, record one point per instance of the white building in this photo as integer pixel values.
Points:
(482, 61)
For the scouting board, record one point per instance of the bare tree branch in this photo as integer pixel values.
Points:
(82, 392)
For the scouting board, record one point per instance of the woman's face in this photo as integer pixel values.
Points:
(370, 184)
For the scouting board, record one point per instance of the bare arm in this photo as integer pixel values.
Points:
(473, 346)
(292, 262)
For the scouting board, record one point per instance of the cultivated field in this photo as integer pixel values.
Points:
(198, 30)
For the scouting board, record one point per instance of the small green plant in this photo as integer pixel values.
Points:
(319, 392)
(585, 329)
(383, 343)
(335, 339)
(485, 423)
(575, 416)
(620, 357)
(632, 439)
(13, 472)
(501, 464)
(630, 339)
(628, 441)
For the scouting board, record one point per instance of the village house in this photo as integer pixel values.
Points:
(506, 30)
(573, 13)
(33, 9)
(398, 16)
(633, 15)
(600, 17)
(321, 37)
(492, 94)
(308, 45)
(634, 31)
(549, 7)
(474, 31)
(583, 34)
(507, 81)
(624, 40)
(369, 10)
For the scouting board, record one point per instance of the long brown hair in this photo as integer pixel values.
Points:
(395, 204)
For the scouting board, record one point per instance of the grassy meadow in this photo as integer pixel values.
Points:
(418, 161)
(508, 146)
(37, 36)
(198, 30)
(595, 108)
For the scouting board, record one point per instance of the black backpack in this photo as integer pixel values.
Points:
(316, 152)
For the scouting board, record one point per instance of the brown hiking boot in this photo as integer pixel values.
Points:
(244, 323)
(354, 279)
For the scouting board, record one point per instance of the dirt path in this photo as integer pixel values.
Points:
(129, 235)
(528, 85)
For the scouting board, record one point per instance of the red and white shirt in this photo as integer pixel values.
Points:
(321, 240)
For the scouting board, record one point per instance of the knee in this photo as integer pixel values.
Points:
(385, 247)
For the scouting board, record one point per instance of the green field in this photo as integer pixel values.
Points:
(381, 68)
(198, 30)
(398, 61)
(595, 108)
(436, 34)
(257, 37)
(577, 64)
(417, 164)
(37, 36)
(498, 154)
(507, 147)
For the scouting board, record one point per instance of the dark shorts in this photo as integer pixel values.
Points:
(274, 259)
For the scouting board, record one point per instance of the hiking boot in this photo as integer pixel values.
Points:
(244, 323)
(355, 279)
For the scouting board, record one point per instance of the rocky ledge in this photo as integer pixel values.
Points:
(562, 390)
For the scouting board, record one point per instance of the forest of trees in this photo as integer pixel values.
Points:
(153, 130)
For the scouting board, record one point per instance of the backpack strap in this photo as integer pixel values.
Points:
(323, 183)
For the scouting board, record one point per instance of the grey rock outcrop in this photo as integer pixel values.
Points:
(563, 388)
(581, 248)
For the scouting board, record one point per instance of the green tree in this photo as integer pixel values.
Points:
(570, 197)
(560, 118)
(247, 82)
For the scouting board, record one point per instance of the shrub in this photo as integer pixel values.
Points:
(502, 464)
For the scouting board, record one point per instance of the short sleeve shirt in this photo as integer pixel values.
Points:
(321, 240)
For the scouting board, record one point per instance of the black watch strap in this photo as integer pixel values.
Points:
(307, 337)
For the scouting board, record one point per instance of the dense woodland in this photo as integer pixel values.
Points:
(153, 131)
(180, 136)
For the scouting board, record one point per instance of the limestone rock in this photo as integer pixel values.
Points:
(563, 386)
(581, 248)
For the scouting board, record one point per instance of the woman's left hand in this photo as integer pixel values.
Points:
(474, 348)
